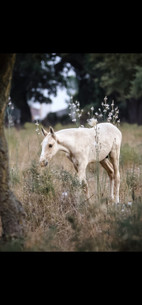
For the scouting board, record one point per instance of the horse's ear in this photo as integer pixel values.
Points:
(44, 132)
(52, 132)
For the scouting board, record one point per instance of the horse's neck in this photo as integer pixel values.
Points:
(62, 147)
(65, 141)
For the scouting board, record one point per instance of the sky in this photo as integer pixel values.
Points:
(59, 102)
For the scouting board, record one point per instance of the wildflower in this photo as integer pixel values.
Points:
(9, 104)
(92, 108)
(92, 122)
(64, 194)
(105, 99)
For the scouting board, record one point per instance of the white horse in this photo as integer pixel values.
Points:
(85, 145)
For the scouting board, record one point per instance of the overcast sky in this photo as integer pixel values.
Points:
(59, 101)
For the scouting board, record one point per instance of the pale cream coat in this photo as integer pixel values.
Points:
(85, 145)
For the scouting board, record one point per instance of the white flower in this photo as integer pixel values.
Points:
(74, 120)
(64, 194)
(92, 108)
(92, 122)
(105, 99)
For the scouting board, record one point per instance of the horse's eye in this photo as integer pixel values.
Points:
(50, 145)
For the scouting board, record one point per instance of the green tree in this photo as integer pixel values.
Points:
(89, 91)
(120, 77)
(33, 73)
(117, 75)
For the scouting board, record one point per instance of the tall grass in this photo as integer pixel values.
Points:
(58, 216)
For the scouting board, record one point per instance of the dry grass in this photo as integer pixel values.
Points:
(57, 215)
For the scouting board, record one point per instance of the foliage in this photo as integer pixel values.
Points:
(136, 84)
(117, 75)
(32, 74)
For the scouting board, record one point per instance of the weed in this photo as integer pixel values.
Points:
(129, 155)
(37, 182)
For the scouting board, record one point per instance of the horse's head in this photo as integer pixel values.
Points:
(49, 146)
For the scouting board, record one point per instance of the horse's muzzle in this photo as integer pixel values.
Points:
(43, 163)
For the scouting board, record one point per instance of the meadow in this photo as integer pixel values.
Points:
(58, 216)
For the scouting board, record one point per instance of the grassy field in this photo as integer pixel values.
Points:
(58, 217)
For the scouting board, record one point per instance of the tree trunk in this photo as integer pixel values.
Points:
(25, 112)
(11, 210)
(140, 112)
(132, 111)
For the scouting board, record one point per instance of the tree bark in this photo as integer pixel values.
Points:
(11, 210)
(134, 111)
(140, 112)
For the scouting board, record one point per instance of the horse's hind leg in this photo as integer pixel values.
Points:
(109, 168)
(114, 157)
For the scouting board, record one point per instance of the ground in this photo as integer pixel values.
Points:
(58, 217)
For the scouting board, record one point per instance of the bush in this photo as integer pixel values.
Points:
(38, 182)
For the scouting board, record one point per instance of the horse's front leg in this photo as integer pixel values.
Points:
(83, 181)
